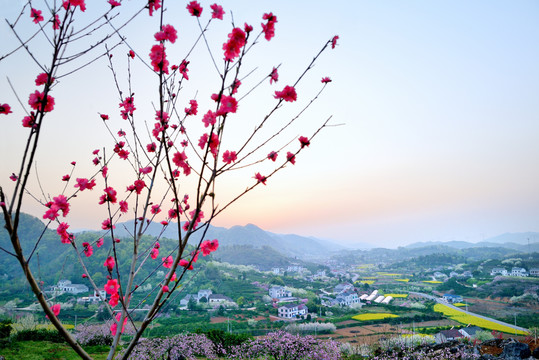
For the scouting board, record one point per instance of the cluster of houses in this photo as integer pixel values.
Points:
(515, 271)
(454, 334)
(207, 296)
(342, 295)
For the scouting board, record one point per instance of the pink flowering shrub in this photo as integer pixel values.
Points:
(167, 153)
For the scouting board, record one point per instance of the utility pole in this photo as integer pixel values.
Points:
(515, 323)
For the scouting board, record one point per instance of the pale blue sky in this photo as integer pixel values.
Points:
(439, 101)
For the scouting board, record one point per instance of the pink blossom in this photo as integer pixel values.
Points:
(42, 79)
(155, 209)
(138, 186)
(66, 177)
(104, 171)
(107, 225)
(123, 206)
(228, 105)
(13, 177)
(104, 116)
(154, 253)
(184, 263)
(235, 86)
(88, 249)
(209, 118)
(173, 278)
(95, 152)
(272, 156)
(99, 242)
(151, 147)
(109, 196)
(194, 8)
(109, 264)
(172, 214)
(208, 246)
(159, 58)
(291, 157)
(326, 80)
(269, 27)
(248, 28)
(274, 76)
(68, 3)
(121, 133)
(260, 178)
(166, 289)
(96, 161)
(145, 170)
(185, 226)
(112, 286)
(203, 141)
(193, 109)
(84, 276)
(287, 94)
(184, 143)
(37, 99)
(114, 298)
(61, 230)
(164, 223)
(167, 261)
(217, 11)
(56, 23)
(183, 69)
(153, 5)
(229, 157)
(84, 184)
(114, 3)
(36, 15)
(236, 40)
(167, 33)
(27, 121)
(304, 141)
(334, 41)
(56, 309)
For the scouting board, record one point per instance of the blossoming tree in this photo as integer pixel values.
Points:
(170, 165)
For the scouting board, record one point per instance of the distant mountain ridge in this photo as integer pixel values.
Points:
(251, 235)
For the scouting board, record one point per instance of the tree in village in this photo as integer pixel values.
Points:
(162, 164)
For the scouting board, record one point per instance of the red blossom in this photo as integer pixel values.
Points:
(114, 298)
(172, 214)
(247, 28)
(272, 156)
(110, 196)
(304, 141)
(229, 157)
(260, 179)
(151, 147)
(154, 253)
(168, 32)
(291, 157)
(193, 109)
(66, 178)
(159, 58)
(217, 11)
(42, 79)
(164, 223)
(36, 15)
(274, 76)
(235, 85)
(194, 8)
(84, 184)
(61, 230)
(208, 246)
(167, 261)
(145, 170)
(68, 3)
(56, 309)
(13, 177)
(99, 242)
(153, 5)
(209, 118)
(114, 3)
(109, 264)
(88, 249)
(56, 23)
(236, 40)
(29, 121)
(104, 116)
(183, 69)
(228, 105)
(107, 225)
(114, 325)
(287, 94)
(112, 286)
(5, 109)
(184, 263)
(326, 80)
(166, 289)
(129, 107)
(334, 41)
(124, 206)
(37, 99)
(155, 209)
(269, 27)
(131, 54)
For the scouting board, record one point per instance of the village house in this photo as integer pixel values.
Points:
(292, 311)
(519, 272)
(219, 298)
(65, 286)
(534, 272)
(498, 271)
(277, 292)
(347, 298)
(450, 298)
(341, 288)
(204, 293)
(95, 297)
(470, 331)
(447, 335)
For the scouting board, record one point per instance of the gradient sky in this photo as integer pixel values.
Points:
(439, 103)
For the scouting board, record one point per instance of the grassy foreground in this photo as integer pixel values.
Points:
(44, 350)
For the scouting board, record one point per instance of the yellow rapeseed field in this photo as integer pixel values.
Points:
(403, 280)
(373, 316)
(397, 295)
(432, 281)
(474, 320)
